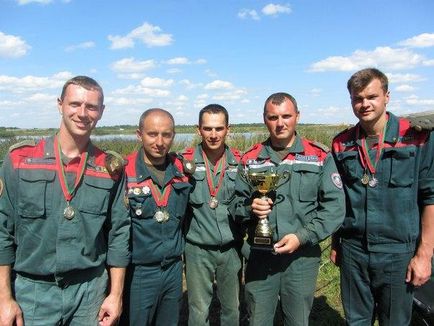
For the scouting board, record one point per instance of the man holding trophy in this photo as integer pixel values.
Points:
(289, 194)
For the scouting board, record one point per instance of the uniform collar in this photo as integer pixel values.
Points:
(230, 158)
(392, 130)
(143, 172)
(267, 151)
(49, 151)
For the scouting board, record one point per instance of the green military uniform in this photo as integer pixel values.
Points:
(153, 290)
(308, 202)
(213, 242)
(382, 223)
(60, 259)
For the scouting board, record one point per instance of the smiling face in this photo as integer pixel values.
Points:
(80, 109)
(156, 135)
(369, 106)
(281, 120)
(213, 130)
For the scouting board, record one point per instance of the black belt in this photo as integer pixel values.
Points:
(34, 277)
(227, 246)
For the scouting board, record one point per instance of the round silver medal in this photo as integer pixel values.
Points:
(159, 216)
(213, 202)
(68, 212)
(373, 182)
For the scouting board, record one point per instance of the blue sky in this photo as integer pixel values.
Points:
(182, 55)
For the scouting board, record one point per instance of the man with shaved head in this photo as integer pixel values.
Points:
(157, 195)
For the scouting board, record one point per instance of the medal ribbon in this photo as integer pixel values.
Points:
(219, 167)
(67, 192)
(161, 198)
(365, 159)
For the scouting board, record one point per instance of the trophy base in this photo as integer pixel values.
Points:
(262, 243)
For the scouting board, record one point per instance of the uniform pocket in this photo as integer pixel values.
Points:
(349, 161)
(94, 197)
(32, 192)
(308, 179)
(228, 190)
(402, 166)
(200, 191)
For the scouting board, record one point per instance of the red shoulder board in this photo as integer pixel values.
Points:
(252, 153)
(236, 153)
(188, 153)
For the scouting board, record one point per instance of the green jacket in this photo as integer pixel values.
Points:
(154, 242)
(36, 237)
(386, 217)
(308, 200)
(204, 225)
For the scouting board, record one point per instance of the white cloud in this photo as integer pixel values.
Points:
(202, 96)
(12, 46)
(178, 61)
(131, 65)
(148, 34)
(419, 41)
(315, 92)
(188, 84)
(26, 2)
(182, 98)
(404, 78)
(173, 71)
(219, 84)
(33, 83)
(42, 97)
(84, 45)
(385, 57)
(414, 100)
(230, 96)
(156, 82)
(404, 88)
(275, 9)
(127, 101)
(140, 90)
(201, 61)
(248, 13)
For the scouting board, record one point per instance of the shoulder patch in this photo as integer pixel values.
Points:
(421, 121)
(24, 143)
(321, 146)
(114, 162)
(336, 179)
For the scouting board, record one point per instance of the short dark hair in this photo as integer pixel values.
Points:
(85, 82)
(215, 109)
(155, 110)
(279, 98)
(359, 80)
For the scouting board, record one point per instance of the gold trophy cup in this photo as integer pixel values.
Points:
(264, 182)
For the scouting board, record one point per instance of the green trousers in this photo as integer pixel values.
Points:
(374, 284)
(291, 277)
(203, 266)
(45, 303)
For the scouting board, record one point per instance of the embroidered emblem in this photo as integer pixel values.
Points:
(336, 179)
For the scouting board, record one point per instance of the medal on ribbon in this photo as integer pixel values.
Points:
(161, 199)
(69, 211)
(366, 161)
(213, 190)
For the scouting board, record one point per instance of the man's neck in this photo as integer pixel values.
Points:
(374, 128)
(72, 146)
(214, 155)
(282, 143)
(154, 161)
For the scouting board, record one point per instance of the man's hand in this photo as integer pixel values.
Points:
(419, 269)
(336, 251)
(110, 310)
(287, 245)
(261, 208)
(10, 313)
